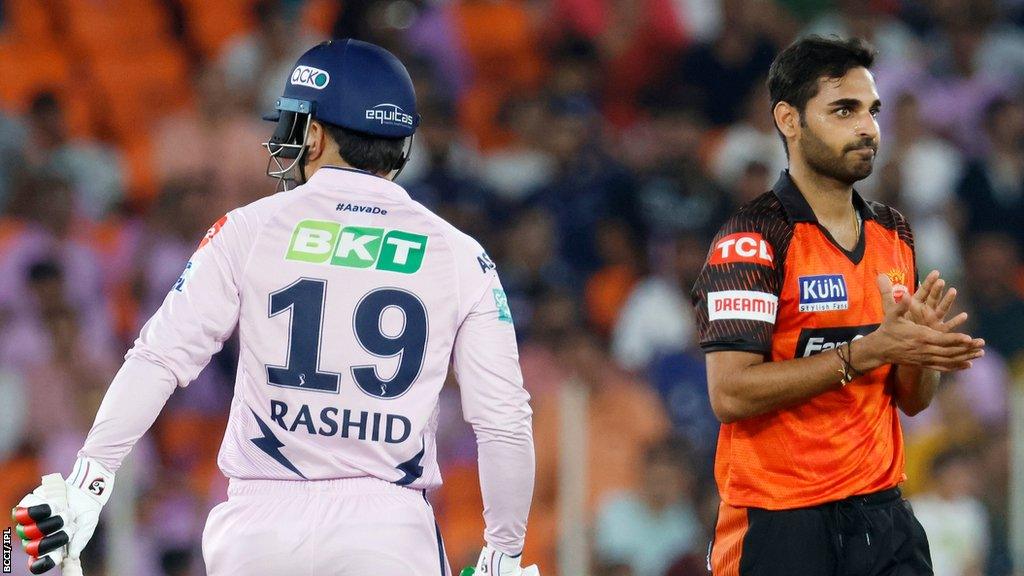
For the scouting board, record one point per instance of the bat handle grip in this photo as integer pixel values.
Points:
(71, 567)
(56, 490)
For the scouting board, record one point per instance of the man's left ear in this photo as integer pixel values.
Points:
(314, 141)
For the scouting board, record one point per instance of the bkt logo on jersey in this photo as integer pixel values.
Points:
(823, 293)
(326, 242)
(310, 77)
(389, 114)
(743, 247)
(817, 340)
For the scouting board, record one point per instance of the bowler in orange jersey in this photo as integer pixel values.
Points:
(815, 336)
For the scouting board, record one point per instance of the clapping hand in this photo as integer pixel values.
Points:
(915, 331)
(930, 306)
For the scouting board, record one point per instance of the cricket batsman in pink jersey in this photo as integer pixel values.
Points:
(351, 302)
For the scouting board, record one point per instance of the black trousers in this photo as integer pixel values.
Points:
(872, 535)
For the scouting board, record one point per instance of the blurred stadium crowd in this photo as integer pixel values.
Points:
(593, 146)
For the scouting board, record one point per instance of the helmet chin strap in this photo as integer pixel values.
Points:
(405, 158)
(302, 167)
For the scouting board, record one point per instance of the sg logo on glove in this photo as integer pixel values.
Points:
(97, 486)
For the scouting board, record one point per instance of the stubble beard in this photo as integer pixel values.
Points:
(842, 168)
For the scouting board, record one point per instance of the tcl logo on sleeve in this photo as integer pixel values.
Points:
(743, 247)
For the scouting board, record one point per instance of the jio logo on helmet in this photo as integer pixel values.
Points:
(310, 77)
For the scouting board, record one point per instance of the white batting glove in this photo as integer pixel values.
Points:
(494, 563)
(58, 518)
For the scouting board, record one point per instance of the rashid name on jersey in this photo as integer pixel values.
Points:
(351, 301)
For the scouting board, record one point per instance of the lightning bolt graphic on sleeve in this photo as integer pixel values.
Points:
(272, 446)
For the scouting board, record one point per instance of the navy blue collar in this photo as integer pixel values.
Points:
(796, 206)
(351, 169)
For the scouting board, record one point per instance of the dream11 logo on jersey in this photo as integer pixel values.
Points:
(742, 305)
(748, 247)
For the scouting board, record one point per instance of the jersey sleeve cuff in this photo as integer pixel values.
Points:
(721, 346)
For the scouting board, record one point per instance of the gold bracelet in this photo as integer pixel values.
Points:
(849, 361)
(849, 372)
(844, 375)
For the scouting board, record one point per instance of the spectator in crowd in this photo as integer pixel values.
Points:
(680, 379)
(622, 262)
(989, 381)
(751, 140)
(13, 410)
(255, 63)
(721, 73)
(501, 42)
(588, 186)
(992, 45)
(992, 262)
(919, 171)
(953, 425)
(441, 172)
(952, 80)
(531, 265)
(675, 195)
(430, 39)
(657, 318)
(220, 139)
(50, 233)
(649, 528)
(620, 418)
(992, 187)
(556, 315)
(575, 70)
(892, 37)
(94, 172)
(632, 39)
(954, 519)
(66, 371)
(524, 164)
(995, 464)
(12, 138)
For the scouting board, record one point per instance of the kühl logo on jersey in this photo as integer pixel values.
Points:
(326, 242)
(823, 293)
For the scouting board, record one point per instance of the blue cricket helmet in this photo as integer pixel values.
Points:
(349, 83)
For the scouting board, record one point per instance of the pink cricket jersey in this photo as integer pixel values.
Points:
(351, 301)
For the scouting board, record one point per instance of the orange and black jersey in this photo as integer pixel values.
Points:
(776, 282)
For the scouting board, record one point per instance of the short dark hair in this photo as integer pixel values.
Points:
(366, 152)
(45, 270)
(672, 449)
(994, 108)
(45, 102)
(956, 454)
(793, 77)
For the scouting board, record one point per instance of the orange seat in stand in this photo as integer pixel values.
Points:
(27, 20)
(116, 28)
(29, 69)
(139, 91)
(212, 25)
